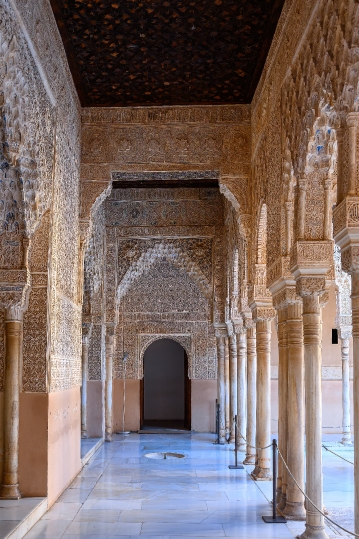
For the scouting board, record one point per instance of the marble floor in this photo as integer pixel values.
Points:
(121, 493)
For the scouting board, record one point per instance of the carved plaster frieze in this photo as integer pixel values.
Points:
(163, 115)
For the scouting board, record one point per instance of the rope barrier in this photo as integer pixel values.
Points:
(336, 454)
(253, 446)
(312, 503)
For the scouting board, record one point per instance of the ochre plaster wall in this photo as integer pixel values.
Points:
(64, 436)
(33, 447)
(132, 406)
(203, 405)
(95, 412)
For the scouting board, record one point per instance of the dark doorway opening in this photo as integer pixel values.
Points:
(166, 388)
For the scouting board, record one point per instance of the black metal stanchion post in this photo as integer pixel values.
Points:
(236, 467)
(274, 519)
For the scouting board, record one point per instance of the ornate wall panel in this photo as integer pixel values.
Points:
(167, 271)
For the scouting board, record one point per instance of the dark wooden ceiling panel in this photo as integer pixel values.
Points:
(168, 52)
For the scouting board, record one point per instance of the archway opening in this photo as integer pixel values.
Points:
(166, 389)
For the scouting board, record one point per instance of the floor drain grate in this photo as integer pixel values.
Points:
(164, 456)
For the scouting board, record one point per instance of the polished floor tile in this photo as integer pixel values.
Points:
(122, 494)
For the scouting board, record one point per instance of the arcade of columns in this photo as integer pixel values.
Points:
(303, 126)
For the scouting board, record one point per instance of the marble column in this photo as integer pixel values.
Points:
(313, 414)
(233, 382)
(227, 389)
(85, 354)
(294, 508)
(282, 404)
(221, 385)
(13, 354)
(108, 384)
(262, 471)
(242, 386)
(344, 340)
(355, 319)
(251, 395)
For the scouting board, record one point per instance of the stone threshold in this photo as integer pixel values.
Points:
(17, 517)
(89, 446)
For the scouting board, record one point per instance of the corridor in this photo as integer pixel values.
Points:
(123, 493)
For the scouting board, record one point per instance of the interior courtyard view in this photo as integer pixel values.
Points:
(179, 269)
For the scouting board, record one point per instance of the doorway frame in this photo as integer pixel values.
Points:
(187, 390)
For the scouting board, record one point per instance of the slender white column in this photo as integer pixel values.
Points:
(282, 405)
(13, 352)
(233, 382)
(85, 354)
(355, 322)
(347, 437)
(294, 509)
(313, 412)
(221, 388)
(108, 385)
(251, 395)
(227, 389)
(242, 387)
(262, 471)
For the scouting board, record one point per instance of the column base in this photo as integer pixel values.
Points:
(261, 474)
(250, 459)
(108, 437)
(282, 502)
(314, 532)
(346, 440)
(84, 434)
(294, 511)
(231, 440)
(10, 492)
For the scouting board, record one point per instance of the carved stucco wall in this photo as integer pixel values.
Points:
(164, 274)
(164, 139)
(307, 87)
(40, 174)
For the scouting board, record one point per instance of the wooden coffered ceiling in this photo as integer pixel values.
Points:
(166, 52)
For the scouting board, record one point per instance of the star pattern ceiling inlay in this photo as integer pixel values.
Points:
(167, 52)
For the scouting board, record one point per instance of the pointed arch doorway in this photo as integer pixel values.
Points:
(165, 387)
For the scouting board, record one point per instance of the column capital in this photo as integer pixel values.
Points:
(14, 288)
(238, 326)
(14, 313)
(86, 332)
(311, 286)
(263, 314)
(220, 330)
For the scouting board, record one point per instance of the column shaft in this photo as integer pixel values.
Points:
(282, 404)
(242, 388)
(355, 322)
(262, 471)
(108, 388)
(227, 390)
(347, 437)
(294, 509)
(251, 395)
(13, 351)
(85, 352)
(313, 413)
(233, 381)
(221, 389)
